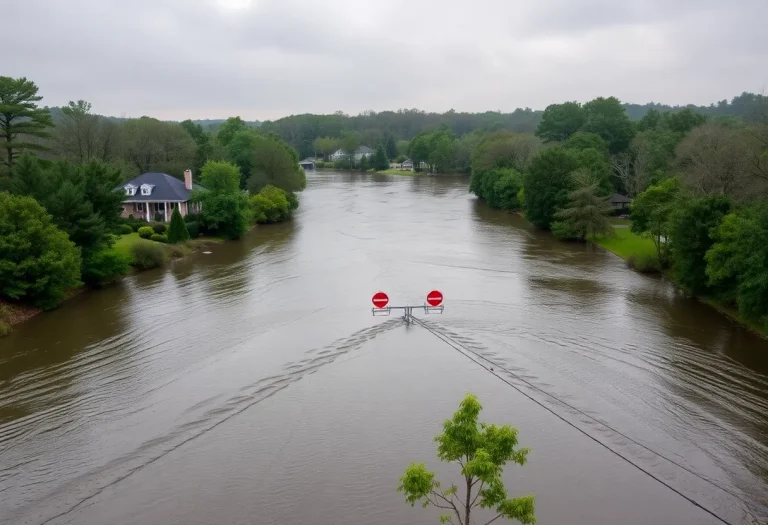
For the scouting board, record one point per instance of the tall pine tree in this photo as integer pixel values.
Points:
(20, 119)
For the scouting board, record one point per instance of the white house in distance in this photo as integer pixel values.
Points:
(362, 151)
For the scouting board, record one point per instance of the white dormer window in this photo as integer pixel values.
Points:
(130, 190)
(146, 189)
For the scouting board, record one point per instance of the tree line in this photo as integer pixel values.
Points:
(699, 186)
(300, 131)
(61, 189)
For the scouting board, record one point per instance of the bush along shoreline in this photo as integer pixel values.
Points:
(692, 193)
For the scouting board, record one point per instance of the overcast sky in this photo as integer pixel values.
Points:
(263, 59)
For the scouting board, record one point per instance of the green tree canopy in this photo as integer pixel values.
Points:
(81, 198)
(229, 128)
(39, 263)
(606, 117)
(585, 140)
(683, 121)
(272, 205)
(204, 147)
(274, 162)
(325, 145)
(547, 183)
(379, 161)
(560, 121)
(220, 177)
(692, 223)
(738, 260)
(585, 214)
(151, 145)
(419, 149)
(349, 142)
(390, 146)
(226, 210)
(20, 119)
(81, 136)
(504, 149)
(651, 212)
(481, 450)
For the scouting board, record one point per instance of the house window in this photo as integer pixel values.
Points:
(140, 206)
(146, 189)
(130, 190)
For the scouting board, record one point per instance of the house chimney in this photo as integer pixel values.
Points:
(188, 179)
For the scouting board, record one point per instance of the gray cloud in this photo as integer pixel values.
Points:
(269, 58)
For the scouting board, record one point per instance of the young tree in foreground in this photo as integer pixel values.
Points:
(20, 117)
(481, 450)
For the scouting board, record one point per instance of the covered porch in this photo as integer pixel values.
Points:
(148, 210)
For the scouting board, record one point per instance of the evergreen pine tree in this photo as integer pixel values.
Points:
(380, 162)
(20, 119)
(177, 231)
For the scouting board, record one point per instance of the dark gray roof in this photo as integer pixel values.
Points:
(364, 149)
(166, 188)
(620, 199)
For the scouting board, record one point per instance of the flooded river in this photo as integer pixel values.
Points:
(253, 386)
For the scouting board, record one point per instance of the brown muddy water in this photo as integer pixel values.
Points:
(253, 386)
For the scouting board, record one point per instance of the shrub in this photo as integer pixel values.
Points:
(271, 205)
(131, 217)
(145, 232)
(193, 228)
(644, 263)
(320, 164)
(148, 255)
(159, 217)
(159, 238)
(177, 231)
(136, 225)
(192, 217)
(124, 229)
(159, 228)
(104, 267)
(38, 262)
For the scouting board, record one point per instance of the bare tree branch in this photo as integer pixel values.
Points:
(494, 519)
(478, 493)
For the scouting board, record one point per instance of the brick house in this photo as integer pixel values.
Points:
(150, 194)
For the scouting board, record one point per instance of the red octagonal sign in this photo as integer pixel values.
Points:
(434, 298)
(380, 299)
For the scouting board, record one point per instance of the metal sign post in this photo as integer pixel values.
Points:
(434, 306)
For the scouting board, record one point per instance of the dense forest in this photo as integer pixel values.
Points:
(698, 186)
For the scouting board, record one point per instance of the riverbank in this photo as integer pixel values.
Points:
(395, 171)
(12, 314)
(640, 254)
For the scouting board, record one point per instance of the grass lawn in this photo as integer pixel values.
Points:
(395, 171)
(628, 245)
(125, 242)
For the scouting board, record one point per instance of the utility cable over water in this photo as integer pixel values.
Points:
(490, 368)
